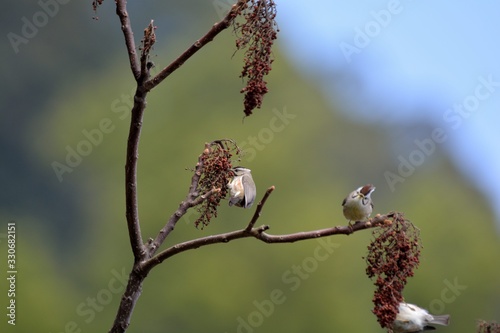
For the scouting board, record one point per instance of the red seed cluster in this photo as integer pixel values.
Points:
(393, 255)
(487, 327)
(257, 35)
(216, 174)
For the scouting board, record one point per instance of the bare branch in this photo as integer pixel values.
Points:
(121, 11)
(128, 301)
(131, 205)
(259, 233)
(220, 238)
(259, 209)
(192, 199)
(137, 113)
(172, 221)
(338, 230)
(208, 37)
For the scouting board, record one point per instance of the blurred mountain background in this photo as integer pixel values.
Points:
(70, 79)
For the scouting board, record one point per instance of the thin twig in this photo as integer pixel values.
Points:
(338, 230)
(261, 204)
(249, 231)
(192, 199)
(260, 234)
(172, 221)
(121, 11)
(220, 238)
(196, 46)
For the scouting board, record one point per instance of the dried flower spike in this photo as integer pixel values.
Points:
(393, 255)
(488, 327)
(216, 174)
(257, 35)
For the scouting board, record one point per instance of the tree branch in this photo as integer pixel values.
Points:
(192, 199)
(172, 221)
(121, 11)
(131, 201)
(261, 204)
(260, 234)
(140, 70)
(128, 301)
(208, 37)
(338, 230)
(141, 75)
(137, 113)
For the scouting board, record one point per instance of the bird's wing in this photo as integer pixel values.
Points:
(250, 191)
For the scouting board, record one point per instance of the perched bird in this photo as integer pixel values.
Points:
(358, 205)
(242, 189)
(411, 318)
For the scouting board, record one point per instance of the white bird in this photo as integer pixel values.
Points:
(358, 205)
(411, 318)
(242, 189)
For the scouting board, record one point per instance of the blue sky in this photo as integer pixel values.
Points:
(436, 62)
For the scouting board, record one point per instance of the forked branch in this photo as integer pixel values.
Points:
(193, 198)
(140, 71)
(260, 234)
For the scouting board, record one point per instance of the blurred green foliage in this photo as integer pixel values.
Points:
(74, 251)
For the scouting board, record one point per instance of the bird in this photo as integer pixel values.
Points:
(242, 188)
(412, 318)
(358, 205)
